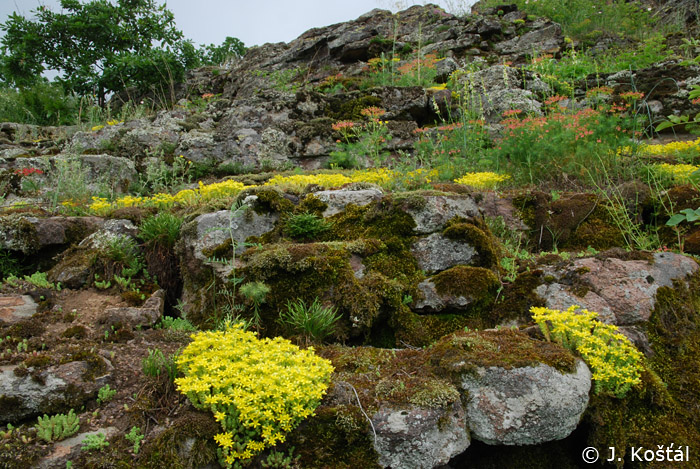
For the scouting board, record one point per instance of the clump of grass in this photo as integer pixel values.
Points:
(314, 322)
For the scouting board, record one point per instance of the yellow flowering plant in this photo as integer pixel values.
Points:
(257, 389)
(482, 180)
(615, 362)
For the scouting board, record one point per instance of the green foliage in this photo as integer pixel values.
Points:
(232, 48)
(306, 226)
(37, 279)
(57, 427)
(280, 460)
(95, 442)
(687, 215)
(9, 264)
(135, 436)
(105, 394)
(97, 47)
(315, 322)
(588, 20)
(160, 176)
(42, 103)
(583, 144)
(124, 251)
(157, 364)
(176, 324)
(255, 293)
(162, 229)
(68, 183)
(615, 362)
(257, 389)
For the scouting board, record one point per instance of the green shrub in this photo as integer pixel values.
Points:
(315, 322)
(257, 389)
(40, 104)
(162, 229)
(57, 427)
(306, 226)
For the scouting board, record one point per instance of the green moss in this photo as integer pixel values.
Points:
(96, 364)
(667, 405)
(77, 332)
(270, 200)
(337, 437)
(518, 297)
(351, 109)
(475, 282)
(465, 351)
(476, 234)
(574, 221)
(312, 204)
(22, 231)
(25, 329)
(187, 443)
(419, 330)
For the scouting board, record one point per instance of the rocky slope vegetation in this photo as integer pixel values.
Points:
(413, 262)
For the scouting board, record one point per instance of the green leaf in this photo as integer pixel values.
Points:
(675, 220)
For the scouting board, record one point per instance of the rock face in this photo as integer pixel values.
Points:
(525, 406)
(55, 389)
(145, 316)
(15, 308)
(338, 200)
(432, 215)
(622, 292)
(30, 235)
(436, 253)
(420, 438)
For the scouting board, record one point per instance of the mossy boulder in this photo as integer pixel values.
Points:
(574, 221)
(461, 288)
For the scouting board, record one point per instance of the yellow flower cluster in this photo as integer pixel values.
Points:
(680, 173)
(615, 362)
(671, 148)
(484, 180)
(205, 193)
(384, 177)
(257, 389)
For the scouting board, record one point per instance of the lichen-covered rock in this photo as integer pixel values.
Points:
(547, 38)
(436, 253)
(132, 317)
(415, 437)
(55, 389)
(30, 235)
(433, 213)
(15, 308)
(336, 201)
(623, 292)
(525, 406)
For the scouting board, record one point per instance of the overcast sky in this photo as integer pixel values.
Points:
(253, 22)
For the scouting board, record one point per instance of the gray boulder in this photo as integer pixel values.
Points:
(55, 389)
(433, 215)
(525, 406)
(420, 438)
(436, 253)
(338, 200)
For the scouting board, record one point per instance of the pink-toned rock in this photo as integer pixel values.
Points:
(622, 292)
(14, 308)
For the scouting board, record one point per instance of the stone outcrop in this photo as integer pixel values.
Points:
(525, 406)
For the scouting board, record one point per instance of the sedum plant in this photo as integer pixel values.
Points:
(615, 362)
(57, 427)
(257, 389)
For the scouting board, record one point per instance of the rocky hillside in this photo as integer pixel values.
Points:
(470, 228)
